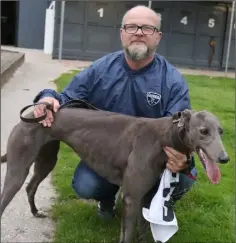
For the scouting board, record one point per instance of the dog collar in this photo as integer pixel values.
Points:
(189, 174)
(186, 171)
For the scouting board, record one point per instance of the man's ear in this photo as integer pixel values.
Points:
(158, 37)
(184, 117)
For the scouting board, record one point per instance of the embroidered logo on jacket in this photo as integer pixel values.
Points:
(153, 98)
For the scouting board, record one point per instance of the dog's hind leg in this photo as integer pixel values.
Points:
(15, 177)
(44, 164)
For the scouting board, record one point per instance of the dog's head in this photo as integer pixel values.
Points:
(203, 133)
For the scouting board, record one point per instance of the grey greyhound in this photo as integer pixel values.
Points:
(125, 150)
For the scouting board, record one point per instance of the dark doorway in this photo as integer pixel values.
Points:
(9, 16)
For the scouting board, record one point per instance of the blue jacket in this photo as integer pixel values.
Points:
(156, 90)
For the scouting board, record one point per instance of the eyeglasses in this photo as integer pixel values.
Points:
(146, 29)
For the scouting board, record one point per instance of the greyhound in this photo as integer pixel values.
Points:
(125, 150)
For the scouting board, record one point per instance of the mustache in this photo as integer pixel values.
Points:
(138, 41)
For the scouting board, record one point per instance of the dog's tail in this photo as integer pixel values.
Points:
(3, 158)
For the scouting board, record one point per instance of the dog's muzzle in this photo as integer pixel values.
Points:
(223, 158)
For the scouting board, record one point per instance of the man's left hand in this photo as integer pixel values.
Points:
(176, 160)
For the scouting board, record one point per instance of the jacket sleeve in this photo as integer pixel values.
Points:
(179, 99)
(78, 88)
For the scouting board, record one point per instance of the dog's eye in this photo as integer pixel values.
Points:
(204, 131)
(220, 131)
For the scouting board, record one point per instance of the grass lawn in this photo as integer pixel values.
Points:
(205, 214)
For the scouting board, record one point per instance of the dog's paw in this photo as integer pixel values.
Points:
(40, 214)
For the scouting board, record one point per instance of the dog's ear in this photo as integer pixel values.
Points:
(176, 116)
(184, 117)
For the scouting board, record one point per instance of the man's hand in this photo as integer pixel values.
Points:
(39, 110)
(176, 160)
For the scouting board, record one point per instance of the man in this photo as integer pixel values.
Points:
(136, 82)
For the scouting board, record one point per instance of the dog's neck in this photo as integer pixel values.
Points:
(180, 140)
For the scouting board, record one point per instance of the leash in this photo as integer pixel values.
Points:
(75, 103)
(35, 119)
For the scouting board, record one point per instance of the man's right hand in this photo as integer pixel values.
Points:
(39, 110)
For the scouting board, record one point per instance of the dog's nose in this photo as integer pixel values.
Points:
(223, 158)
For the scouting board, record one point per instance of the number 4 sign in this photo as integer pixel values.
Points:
(184, 20)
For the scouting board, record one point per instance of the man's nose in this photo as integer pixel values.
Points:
(223, 158)
(139, 32)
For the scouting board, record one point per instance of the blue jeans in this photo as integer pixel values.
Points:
(89, 185)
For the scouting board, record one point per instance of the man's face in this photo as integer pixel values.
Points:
(140, 44)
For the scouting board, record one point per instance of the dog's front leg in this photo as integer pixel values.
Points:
(141, 227)
(143, 224)
(130, 211)
(122, 229)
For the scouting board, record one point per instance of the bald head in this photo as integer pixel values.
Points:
(144, 12)
(140, 33)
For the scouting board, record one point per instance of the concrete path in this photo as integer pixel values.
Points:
(17, 223)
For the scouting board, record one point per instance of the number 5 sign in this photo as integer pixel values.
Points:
(211, 23)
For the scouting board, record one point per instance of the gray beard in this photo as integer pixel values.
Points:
(136, 54)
